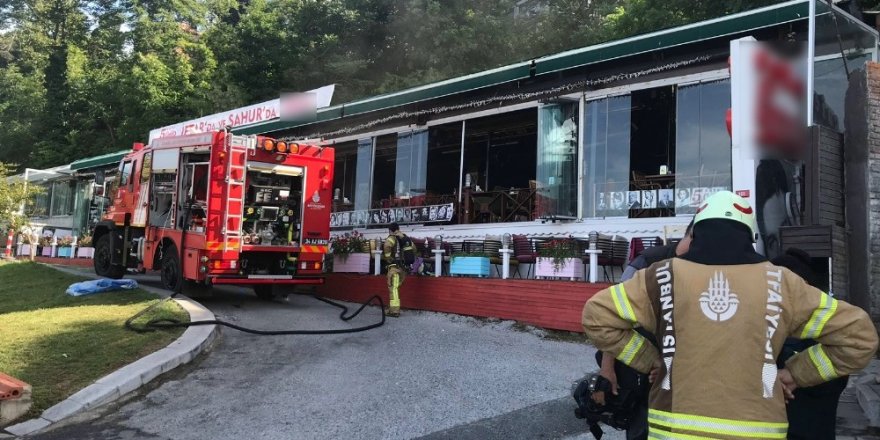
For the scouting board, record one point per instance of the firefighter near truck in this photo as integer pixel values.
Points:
(217, 208)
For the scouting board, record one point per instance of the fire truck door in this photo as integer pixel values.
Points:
(142, 201)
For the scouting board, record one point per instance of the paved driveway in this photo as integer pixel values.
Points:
(424, 375)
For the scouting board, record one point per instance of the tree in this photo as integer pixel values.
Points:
(15, 194)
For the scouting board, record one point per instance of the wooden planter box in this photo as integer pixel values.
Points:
(65, 252)
(352, 263)
(47, 251)
(572, 268)
(85, 252)
(478, 266)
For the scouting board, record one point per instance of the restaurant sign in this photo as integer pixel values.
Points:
(252, 114)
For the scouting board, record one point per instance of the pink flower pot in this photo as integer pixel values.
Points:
(352, 263)
(570, 268)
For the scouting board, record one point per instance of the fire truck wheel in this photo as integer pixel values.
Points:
(264, 291)
(103, 261)
(172, 278)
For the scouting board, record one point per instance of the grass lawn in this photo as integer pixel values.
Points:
(59, 343)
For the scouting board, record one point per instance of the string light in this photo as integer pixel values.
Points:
(525, 96)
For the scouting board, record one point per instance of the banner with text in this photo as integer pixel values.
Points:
(386, 216)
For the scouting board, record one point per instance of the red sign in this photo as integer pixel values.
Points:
(744, 193)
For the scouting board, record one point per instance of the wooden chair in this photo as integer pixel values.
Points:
(524, 251)
(639, 244)
(640, 182)
(492, 248)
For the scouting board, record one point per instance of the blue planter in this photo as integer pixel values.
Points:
(64, 252)
(478, 266)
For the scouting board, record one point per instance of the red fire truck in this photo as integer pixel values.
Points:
(216, 208)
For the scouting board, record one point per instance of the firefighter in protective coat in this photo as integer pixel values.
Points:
(394, 266)
(720, 314)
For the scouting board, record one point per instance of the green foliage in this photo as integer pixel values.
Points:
(14, 195)
(86, 77)
(559, 250)
(349, 243)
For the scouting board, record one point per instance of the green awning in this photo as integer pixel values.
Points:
(719, 27)
(409, 96)
(688, 34)
(98, 161)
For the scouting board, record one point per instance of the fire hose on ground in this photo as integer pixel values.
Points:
(165, 323)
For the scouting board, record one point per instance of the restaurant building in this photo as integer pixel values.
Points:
(624, 138)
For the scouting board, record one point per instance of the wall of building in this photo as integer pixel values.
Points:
(863, 173)
(873, 150)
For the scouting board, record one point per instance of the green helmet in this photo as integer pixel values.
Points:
(728, 206)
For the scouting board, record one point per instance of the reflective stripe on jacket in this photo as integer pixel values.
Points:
(720, 330)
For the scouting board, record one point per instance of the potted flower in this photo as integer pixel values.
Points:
(46, 247)
(559, 258)
(65, 247)
(351, 253)
(24, 246)
(469, 263)
(85, 249)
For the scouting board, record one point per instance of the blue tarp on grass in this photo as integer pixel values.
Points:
(98, 286)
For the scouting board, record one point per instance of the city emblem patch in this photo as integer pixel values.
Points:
(718, 302)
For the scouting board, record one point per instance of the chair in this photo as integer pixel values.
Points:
(492, 248)
(641, 182)
(620, 247)
(583, 244)
(524, 251)
(639, 244)
(606, 244)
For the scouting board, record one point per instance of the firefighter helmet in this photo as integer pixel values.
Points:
(727, 206)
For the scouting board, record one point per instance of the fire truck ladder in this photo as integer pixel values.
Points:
(236, 169)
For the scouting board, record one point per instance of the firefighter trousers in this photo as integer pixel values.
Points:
(396, 276)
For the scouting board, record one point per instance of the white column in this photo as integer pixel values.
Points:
(438, 261)
(594, 264)
(73, 247)
(54, 246)
(505, 261)
(377, 262)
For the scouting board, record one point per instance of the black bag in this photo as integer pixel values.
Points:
(406, 251)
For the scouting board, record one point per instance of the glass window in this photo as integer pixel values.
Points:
(384, 170)
(444, 160)
(411, 164)
(39, 206)
(557, 171)
(500, 162)
(363, 174)
(703, 161)
(125, 173)
(606, 138)
(344, 175)
(841, 46)
(63, 198)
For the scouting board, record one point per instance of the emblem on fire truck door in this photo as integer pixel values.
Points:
(315, 197)
(718, 302)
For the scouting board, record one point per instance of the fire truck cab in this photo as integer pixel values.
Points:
(216, 208)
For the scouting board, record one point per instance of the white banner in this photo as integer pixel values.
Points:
(252, 114)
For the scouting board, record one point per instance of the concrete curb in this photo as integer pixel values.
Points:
(129, 378)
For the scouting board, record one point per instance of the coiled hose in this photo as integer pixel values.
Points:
(164, 323)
